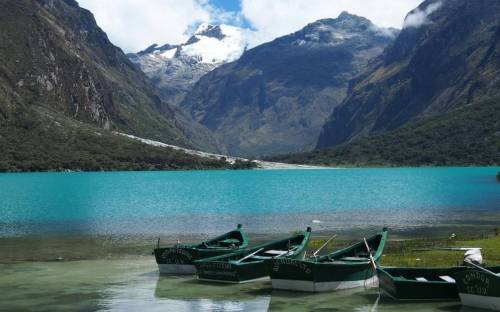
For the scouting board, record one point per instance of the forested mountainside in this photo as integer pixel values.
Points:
(466, 136)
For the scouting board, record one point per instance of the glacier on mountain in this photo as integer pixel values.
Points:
(176, 68)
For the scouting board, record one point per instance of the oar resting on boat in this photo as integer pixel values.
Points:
(249, 265)
(180, 258)
(349, 267)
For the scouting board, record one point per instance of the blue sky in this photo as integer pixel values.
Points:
(227, 5)
(136, 24)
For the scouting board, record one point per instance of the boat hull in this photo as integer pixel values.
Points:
(248, 266)
(307, 276)
(399, 288)
(481, 302)
(479, 289)
(181, 260)
(176, 269)
(227, 272)
(308, 286)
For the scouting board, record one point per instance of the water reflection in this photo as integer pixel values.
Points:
(134, 285)
(188, 294)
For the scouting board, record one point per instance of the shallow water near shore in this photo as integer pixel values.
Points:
(83, 241)
(134, 285)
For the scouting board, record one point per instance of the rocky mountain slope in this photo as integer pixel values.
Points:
(174, 69)
(466, 136)
(446, 57)
(277, 96)
(55, 56)
(58, 69)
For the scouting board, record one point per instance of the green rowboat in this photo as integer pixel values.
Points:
(415, 284)
(479, 288)
(347, 268)
(180, 258)
(249, 265)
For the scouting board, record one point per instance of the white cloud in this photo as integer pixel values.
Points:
(418, 17)
(135, 24)
(280, 17)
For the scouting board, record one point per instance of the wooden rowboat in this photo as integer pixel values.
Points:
(436, 284)
(249, 265)
(351, 267)
(479, 288)
(180, 258)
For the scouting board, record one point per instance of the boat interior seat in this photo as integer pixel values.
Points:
(447, 279)
(261, 257)
(276, 252)
(353, 259)
(421, 279)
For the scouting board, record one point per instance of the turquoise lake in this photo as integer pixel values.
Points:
(265, 201)
(83, 241)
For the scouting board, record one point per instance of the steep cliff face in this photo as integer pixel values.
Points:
(446, 57)
(53, 56)
(277, 96)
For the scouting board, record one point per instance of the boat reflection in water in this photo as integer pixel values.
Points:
(182, 293)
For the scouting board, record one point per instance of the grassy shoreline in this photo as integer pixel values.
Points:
(413, 251)
(422, 252)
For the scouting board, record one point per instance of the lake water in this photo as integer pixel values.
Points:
(265, 201)
(134, 285)
(82, 241)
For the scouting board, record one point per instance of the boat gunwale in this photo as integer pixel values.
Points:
(218, 259)
(197, 247)
(378, 254)
(402, 279)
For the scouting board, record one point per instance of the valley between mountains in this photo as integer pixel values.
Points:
(341, 91)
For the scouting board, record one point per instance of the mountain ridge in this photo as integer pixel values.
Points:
(57, 69)
(174, 69)
(449, 60)
(276, 96)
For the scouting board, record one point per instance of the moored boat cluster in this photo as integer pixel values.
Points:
(228, 259)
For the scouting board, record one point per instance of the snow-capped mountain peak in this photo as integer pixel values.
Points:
(175, 68)
(211, 44)
(215, 44)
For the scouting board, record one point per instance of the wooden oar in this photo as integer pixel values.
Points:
(250, 255)
(371, 258)
(480, 268)
(446, 249)
(324, 245)
(370, 255)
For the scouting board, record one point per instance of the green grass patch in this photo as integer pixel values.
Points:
(420, 253)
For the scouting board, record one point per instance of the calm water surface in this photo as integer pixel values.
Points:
(279, 201)
(99, 226)
(134, 285)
